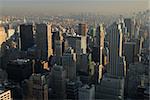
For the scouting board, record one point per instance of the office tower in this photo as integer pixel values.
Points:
(129, 49)
(82, 30)
(38, 87)
(98, 47)
(26, 36)
(3, 37)
(5, 94)
(115, 43)
(19, 69)
(58, 82)
(87, 92)
(10, 33)
(58, 39)
(78, 43)
(44, 41)
(58, 46)
(82, 62)
(110, 88)
(72, 90)
(112, 83)
(69, 63)
(100, 36)
(130, 26)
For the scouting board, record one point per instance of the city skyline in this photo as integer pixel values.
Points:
(60, 7)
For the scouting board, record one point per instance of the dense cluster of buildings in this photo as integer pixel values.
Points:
(44, 61)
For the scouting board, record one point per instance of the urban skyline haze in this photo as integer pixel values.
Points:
(55, 7)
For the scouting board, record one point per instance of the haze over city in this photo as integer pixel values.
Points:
(56, 7)
(74, 50)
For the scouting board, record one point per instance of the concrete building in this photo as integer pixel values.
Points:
(3, 37)
(129, 51)
(38, 87)
(110, 88)
(26, 36)
(58, 82)
(78, 43)
(69, 63)
(44, 41)
(58, 45)
(72, 90)
(115, 46)
(82, 30)
(19, 69)
(10, 33)
(87, 92)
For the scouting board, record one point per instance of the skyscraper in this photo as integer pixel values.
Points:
(78, 43)
(58, 82)
(44, 41)
(115, 43)
(3, 37)
(82, 30)
(115, 74)
(69, 63)
(26, 36)
(129, 24)
(38, 87)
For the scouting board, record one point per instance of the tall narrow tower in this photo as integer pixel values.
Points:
(44, 41)
(115, 46)
(26, 36)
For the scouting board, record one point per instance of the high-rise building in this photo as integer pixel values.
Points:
(26, 36)
(69, 63)
(19, 69)
(58, 82)
(115, 43)
(10, 33)
(78, 43)
(110, 88)
(129, 51)
(58, 46)
(3, 37)
(98, 47)
(72, 90)
(116, 69)
(58, 39)
(87, 92)
(129, 24)
(38, 87)
(82, 30)
(44, 41)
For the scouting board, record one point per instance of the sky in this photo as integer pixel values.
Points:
(54, 7)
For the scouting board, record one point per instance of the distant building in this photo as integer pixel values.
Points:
(78, 43)
(38, 87)
(10, 33)
(58, 45)
(110, 88)
(69, 63)
(129, 51)
(44, 41)
(82, 30)
(72, 90)
(115, 46)
(19, 69)
(87, 92)
(58, 82)
(3, 37)
(130, 28)
(26, 36)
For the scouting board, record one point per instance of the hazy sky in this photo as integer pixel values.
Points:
(49, 7)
